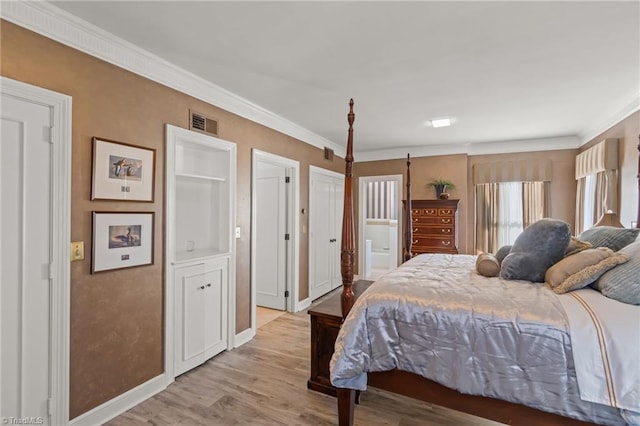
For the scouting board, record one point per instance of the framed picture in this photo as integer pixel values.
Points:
(121, 240)
(122, 172)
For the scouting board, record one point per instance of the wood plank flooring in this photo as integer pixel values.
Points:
(264, 383)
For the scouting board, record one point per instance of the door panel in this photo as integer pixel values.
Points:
(271, 220)
(325, 227)
(25, 181)
(215, 339)
(193, 316)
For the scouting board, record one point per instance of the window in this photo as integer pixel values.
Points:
(510, 217)
(504, 209)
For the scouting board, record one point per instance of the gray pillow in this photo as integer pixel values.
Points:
(622, 283)
(609, 236)
(540, 245)
(502, 253)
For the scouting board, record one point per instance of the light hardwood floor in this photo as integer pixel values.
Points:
(264, 383)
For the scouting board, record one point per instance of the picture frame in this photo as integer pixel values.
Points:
(122, 171)
(122, 240)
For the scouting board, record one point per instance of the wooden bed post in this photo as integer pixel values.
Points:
(408, 229)
(347, 253)
(638, 176)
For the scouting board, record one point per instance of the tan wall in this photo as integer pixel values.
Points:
(117, 317)
(627, 132)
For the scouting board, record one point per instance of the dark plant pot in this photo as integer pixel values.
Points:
(440, 189)
(444, 196)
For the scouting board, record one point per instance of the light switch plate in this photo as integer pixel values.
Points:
(237, 232)
(77, 250)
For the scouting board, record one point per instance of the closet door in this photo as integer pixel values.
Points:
(326, 189)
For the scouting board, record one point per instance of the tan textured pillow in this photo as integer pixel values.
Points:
(487, 265)
(581, 269)
(576, 246)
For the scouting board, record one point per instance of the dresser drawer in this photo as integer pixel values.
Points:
(424, 212)
(446, 212)
(420, 220)
(433, 230)
(434, 242)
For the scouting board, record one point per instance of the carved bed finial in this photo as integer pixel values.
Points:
(347, 252)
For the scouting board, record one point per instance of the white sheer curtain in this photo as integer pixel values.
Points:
(510, 212)
(589, 214)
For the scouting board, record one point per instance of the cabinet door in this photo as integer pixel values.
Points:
(214, 297)
(189, 317)
(200, 312)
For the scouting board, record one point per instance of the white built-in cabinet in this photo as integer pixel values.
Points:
(200, 226)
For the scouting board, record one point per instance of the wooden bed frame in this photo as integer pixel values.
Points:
(409, 384)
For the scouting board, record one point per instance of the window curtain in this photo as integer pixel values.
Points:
(535, 201)
(487, 210)
(600, 162)
(580, 205)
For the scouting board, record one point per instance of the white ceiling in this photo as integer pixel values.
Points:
(505, 71)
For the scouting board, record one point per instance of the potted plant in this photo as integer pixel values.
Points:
(441, 186)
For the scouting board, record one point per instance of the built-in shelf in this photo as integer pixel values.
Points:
(192, 176)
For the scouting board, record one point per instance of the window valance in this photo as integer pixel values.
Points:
(599, 158)
(537, 170)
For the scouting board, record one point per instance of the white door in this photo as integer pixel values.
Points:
(326, 201)
(25, 186)
(270, 232)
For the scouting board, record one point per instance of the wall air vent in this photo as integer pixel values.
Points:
(202, 123)
(328, 154)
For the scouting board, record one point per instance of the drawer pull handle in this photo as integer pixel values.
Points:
(446, 243)
(415, 219)
(414, 242)
(415, 229)
(446, 211)
(446, 230)
(446, 220)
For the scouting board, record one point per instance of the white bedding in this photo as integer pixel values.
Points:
(605, 336)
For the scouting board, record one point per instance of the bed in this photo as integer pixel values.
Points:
(466, 322)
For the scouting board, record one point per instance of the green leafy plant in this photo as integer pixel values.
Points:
(442, 183)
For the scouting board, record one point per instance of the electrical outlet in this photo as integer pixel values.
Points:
(237, 232)
(77, 250)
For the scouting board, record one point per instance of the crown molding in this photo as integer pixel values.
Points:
(612, 119)
(59, 25)
(482, 148)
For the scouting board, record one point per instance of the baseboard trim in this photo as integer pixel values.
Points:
(303, 304)
(244, 337)
(121, 403)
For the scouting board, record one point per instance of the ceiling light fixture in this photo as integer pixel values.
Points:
(441, 122)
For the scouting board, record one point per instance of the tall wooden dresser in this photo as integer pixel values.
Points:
(434, 227)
